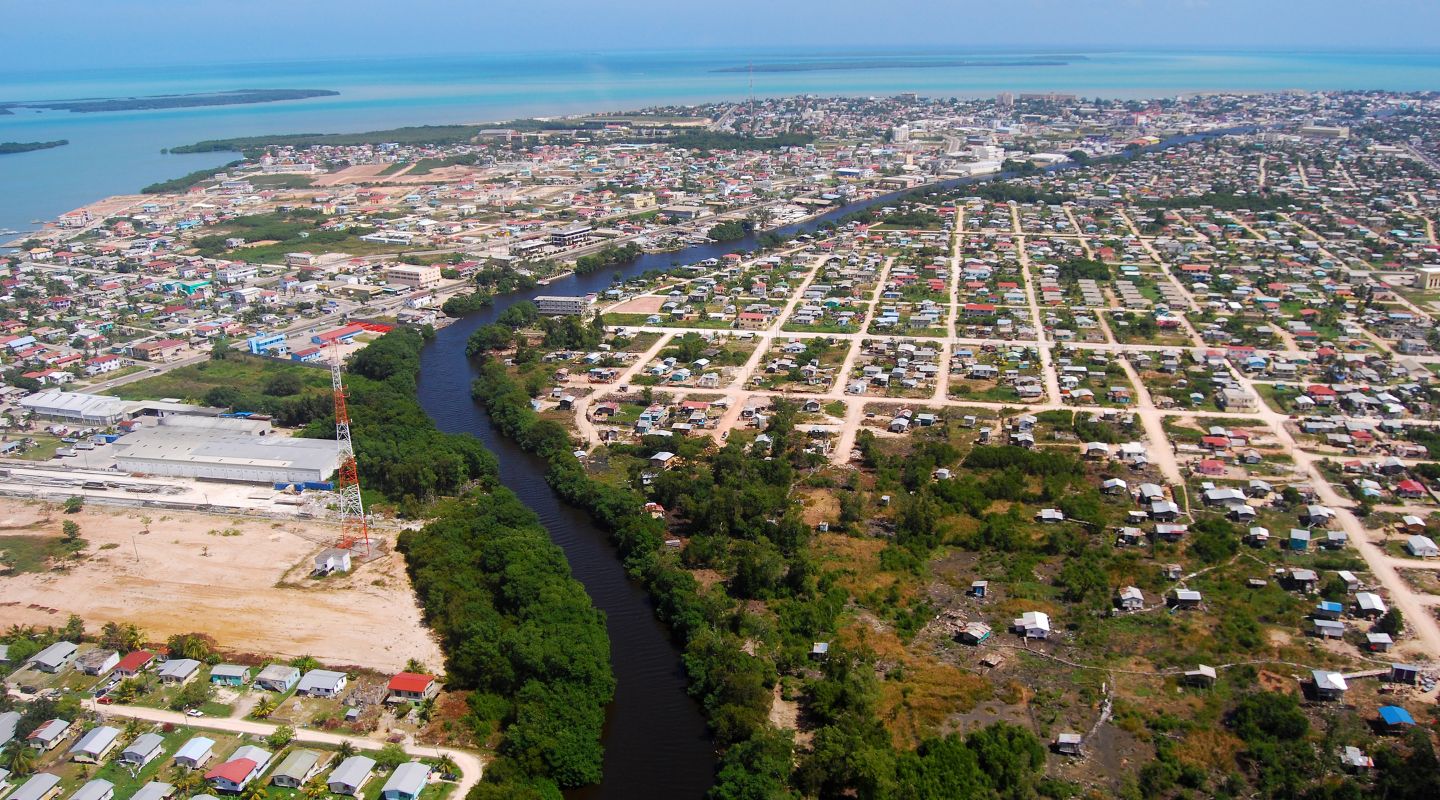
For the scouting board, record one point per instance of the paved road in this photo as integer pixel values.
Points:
(471, 765)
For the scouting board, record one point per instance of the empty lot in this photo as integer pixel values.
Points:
(244, 581)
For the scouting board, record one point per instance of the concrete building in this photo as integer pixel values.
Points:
(246, 459)
(570, 235)
(558, 306)
(158, 351)
(92, 409)
(413, 276)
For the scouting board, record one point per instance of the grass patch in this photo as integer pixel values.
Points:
(249, 375)
(30, 552)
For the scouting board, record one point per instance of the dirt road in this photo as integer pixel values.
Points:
(471, 765)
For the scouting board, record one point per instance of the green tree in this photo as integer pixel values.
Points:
(70, 530)
(1391, 622)
(20, 758)
(283, 385)
(280, 737)
(192, 695)
(74, 630)
(391, 756)
(1263, 716)
(73, 504)
(197, 646)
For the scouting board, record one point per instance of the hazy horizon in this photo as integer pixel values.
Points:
(123, 34)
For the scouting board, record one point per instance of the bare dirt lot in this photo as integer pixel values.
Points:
(355, 174)
(645, 304)
(244, 581)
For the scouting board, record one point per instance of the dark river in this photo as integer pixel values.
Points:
(656, 743)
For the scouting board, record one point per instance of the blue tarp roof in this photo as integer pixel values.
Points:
(1395, 715)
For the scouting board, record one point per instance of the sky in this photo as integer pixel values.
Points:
(96, 33)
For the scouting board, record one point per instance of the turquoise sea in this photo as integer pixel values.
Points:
(117, 152)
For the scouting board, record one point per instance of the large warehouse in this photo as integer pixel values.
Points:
(198, 453)
(92, 409)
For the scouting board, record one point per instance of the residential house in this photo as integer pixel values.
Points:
(411, 686)
(48, 735)
(277, 678)
(194, 753)
(155, 790)
(1068, 744)
(40, 786)
(133, 663)
(1130, 599)
(297, 768)
(1394, 719)
(9, 721)
(143, 750)
(229, 674)
(1328, 685)
(179, 670)
(97, 662)
(352, 773)
(95, 745)
(97, 789)
(322, 683)
(1033, 625)
(56, 657)
(406, 782)
(243, 766)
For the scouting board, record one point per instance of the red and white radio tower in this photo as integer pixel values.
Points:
(354, 529)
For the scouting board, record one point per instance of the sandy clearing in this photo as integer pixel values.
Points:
(250, 590)
(645, 304)
(359, 172)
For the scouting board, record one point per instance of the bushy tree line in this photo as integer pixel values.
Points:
(521, 632)
(399, 451)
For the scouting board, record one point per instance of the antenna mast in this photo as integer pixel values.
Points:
(354, 528)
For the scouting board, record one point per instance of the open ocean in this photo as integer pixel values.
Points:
(119, 152)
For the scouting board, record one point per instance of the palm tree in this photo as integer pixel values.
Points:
(186, 781)
(264, 708)
(21, 759)
(315, 789)
(305, 663)
(446, 766)
(346, 749)
(255, 791)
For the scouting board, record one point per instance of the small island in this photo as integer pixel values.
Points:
(7, 148)
(867, 64)
(163, 101)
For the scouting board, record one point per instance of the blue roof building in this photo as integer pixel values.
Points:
(1394, 717)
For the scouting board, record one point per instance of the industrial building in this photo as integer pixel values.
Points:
(181, 451)
(92, 409)
(558, 306)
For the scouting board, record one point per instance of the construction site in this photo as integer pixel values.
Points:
(275, 566)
